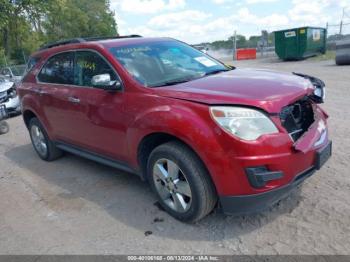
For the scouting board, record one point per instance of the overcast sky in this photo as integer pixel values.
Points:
(196, 21)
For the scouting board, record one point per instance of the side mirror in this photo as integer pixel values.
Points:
(103, 81)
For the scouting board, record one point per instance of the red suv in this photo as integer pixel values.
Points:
(203, 134)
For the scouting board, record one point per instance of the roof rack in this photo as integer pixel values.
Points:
(110, 37)
(82, 40)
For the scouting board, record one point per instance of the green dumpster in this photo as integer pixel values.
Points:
(300, 43)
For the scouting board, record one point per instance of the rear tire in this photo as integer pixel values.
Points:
(42, 144)
(181, 182)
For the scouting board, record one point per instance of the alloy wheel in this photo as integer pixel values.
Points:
(172, 185)
(39, 140)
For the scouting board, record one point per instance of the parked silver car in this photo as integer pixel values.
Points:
(13, 73)
(9, 97)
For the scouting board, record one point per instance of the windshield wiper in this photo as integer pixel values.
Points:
(174, 82)
(183, 80)
(215, 72)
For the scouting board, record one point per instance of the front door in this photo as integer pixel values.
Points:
(100, 114)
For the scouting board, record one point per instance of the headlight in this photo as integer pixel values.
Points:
(12, 93)
(245, 123)
(320, 93)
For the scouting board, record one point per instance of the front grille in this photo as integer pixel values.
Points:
(297, 117)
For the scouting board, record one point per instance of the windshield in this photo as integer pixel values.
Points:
(165, 63)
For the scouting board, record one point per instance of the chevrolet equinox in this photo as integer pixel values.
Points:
(203, 134)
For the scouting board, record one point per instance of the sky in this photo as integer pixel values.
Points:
(197, 21)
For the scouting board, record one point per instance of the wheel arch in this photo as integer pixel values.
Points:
(148, 144)
(34, 111)
(27, 116)
(188, 123)
(153, 140)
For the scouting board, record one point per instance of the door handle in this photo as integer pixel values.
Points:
(74, 100)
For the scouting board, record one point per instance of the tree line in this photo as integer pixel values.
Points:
(25, 25)
(241, 42)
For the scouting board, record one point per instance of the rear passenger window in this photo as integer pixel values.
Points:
(59, 69)
(89, 64)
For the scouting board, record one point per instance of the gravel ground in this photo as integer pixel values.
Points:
(75, 206)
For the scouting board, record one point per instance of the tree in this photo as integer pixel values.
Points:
(222, 44)
(14, 24)
(241, 41)
(253, 41)
(79, 18)
(27, 24)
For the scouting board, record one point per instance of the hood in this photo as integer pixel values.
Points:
(265, 89)
(5, 86)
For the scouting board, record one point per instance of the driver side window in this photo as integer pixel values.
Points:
(89, 64)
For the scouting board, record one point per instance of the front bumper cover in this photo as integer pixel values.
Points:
(248, 204)
(13, 105)
(245, 204)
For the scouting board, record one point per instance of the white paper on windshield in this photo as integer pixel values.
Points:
(205, 61)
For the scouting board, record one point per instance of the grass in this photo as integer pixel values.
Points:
(329, 55)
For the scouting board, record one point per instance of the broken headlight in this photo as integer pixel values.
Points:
(319, 93)
(244, 123)
(12, 93)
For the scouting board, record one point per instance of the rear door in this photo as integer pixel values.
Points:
(55, 83)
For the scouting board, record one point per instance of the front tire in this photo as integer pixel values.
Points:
(44, 147)
(181, 182)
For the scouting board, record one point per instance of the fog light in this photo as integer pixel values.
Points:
(259, 176)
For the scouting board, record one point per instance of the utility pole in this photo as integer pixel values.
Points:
(341, 27)
(341, 22)
(234, 45)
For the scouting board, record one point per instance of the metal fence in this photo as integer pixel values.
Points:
(339, 31)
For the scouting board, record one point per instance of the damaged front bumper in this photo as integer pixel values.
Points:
(272, 176)
(13, 105)
(248, 204)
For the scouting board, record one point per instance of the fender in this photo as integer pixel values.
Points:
(184, 123)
